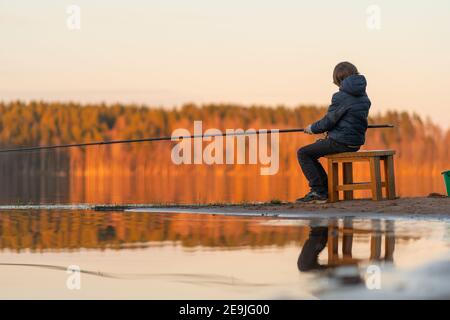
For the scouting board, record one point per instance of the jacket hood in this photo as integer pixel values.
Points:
(354, 85)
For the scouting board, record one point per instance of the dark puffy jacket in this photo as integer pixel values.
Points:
(346, 119)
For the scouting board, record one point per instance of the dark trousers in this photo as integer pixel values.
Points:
(308, 157)
(309, 256)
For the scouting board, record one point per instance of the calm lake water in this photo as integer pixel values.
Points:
(188, 256)
(187, 187)
(99, 176)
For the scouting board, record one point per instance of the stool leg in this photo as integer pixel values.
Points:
(375, 247)
(333, 243)
(389, 237)
(333, 194)
(389, 176)
(347, 173)
(347, 238)
(375, 242)
(375, 178)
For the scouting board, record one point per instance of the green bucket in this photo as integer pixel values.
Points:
(446, 175)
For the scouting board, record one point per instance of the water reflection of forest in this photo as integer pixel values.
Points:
(72, 230)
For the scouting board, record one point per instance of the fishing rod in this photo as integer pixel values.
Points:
(171, 138)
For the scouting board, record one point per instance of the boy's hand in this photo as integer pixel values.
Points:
(308, 130)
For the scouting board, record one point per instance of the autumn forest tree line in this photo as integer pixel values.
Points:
(422, 148)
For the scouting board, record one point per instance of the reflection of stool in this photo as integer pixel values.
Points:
(347, 243)
(375, 184)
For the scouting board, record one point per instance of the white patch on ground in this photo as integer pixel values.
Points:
(427, 281)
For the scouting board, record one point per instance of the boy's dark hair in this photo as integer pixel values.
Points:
(342, 71)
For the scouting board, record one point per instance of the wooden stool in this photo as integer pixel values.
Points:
(375, 184)
(346, 235)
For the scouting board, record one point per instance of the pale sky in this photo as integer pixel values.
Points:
(168, 52)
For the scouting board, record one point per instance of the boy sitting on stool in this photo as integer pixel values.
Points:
(345, 124)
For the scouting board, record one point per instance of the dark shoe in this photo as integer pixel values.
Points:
(313, 197)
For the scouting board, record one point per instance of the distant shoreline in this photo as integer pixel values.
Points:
(431, 207)
(434, 206)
